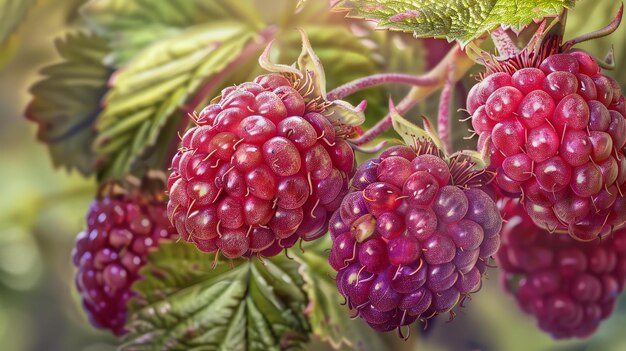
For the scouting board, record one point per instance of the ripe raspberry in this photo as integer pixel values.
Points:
(121, 229)
(555, 131)
(413, 236)
(569, 286)
(260, 169)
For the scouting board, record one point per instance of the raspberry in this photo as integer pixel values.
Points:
(555, 130)
(121, 230)
(260, 169)
(412, 237)
(569, 286)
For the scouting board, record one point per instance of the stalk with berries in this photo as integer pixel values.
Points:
(247, 200)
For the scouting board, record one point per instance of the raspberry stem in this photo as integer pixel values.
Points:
(443, 121)
(377, 79)
(456, 58)
(609, 29)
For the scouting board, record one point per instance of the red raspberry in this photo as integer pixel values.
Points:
(413, 236)
(121, 230)
(555, 131)
(570, 287)
(260, 169)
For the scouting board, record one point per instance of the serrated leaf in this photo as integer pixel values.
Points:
(184, 304)
(452, 19)
(65, 103)
(131, 25)
(156, 83)
(329, 319)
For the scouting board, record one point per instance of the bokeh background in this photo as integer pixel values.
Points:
(42, 209)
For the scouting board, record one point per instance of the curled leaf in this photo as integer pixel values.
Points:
(308, 76)
(311, 66)
(342, 112)
(268, 65)
(408, 130)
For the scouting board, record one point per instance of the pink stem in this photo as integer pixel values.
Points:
(443, 117)
(377, 79)
(456, 59)
(384, 124)
(609, 29)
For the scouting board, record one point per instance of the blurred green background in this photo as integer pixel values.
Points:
(41, 210)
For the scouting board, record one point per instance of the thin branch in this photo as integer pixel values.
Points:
(377, 79)
(461, 64)
(610, 28)
(443, 117)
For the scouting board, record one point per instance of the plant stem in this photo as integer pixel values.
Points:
(443, 117)
(386, 123)
(377, 79)
(455, 59)
(609, 29)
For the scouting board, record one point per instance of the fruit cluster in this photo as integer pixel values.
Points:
(121, 230)
(569, 286)
(268, 163)
(411, 238)
(259, 170)
(555, 134)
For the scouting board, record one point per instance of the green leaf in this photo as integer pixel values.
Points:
(12, 12)
(329, 319)
(460, 20)
(408, 131)
(157, 83)
(66, 102)
(184, 304)
(169, 75)
(132, 25)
